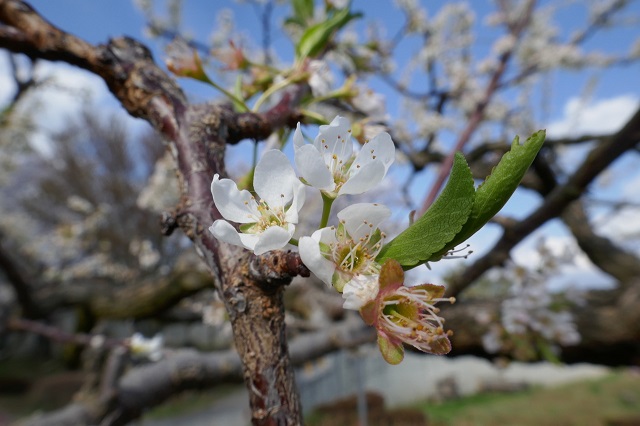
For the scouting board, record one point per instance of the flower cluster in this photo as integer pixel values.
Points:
(343, 256)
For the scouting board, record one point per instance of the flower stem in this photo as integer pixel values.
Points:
(239, 102)
(271, 90)
(326, 209)
(293, 241)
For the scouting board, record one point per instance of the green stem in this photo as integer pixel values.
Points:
(326, 209)
(255, 154)
(319, 118)
(293, 241)
(228, 94)
(271, 90)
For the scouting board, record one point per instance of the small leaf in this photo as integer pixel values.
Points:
(315, 38)
(439, 225)
(498, 187)
(392, 352)
(303, 10)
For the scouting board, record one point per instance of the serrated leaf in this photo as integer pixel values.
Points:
(498, 187)
(439, 225)
(315, 38)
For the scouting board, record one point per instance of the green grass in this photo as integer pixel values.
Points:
(190, 401)
(586, 403)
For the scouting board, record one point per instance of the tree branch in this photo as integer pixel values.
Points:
(197, 135)
(149, 385)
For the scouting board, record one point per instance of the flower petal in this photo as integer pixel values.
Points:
(273, 238)
(362, 219)
(380, 148)
(312, 168)
(224, 231)
(273, 179)
(335, 138)
(299, 195)
(365, 178)
(298, 139)
(237, 206)
(359, 291)
(314, 260)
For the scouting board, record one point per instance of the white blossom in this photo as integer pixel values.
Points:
(347, 253)
(339, 4)
(267, 224)
(370, 103)
(330, 164)
(149, 348)
(360, 290)
(320, 78)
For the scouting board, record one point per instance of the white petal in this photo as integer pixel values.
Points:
(325, 235)
(335, 138)
(298, 139)
(299, 195)
(274, 178)
(222, 230)
(365, 178)
(380, 148)
(363, 218)
(360, 290)
(314, 260)
(233, 205)
(312, 168)
(273, 238)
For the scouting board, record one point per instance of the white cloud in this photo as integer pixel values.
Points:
(598, 117)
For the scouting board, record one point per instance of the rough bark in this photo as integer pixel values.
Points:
(197, 135)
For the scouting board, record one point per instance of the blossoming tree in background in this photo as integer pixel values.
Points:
(252, 233)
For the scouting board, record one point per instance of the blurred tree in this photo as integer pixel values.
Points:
(78, 223)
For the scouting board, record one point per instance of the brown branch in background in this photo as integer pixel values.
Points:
(477, 116)
(60, 336)
(146, 386)
(101, 297)
(19, 280)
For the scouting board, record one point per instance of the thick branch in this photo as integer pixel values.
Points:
(149, 385)
(197, 135)
(620, 264)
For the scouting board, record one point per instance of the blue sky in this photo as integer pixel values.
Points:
(616, 91)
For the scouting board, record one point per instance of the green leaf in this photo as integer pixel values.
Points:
(439, 225)
(303, 10)
(316, 37)
(498, 187)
